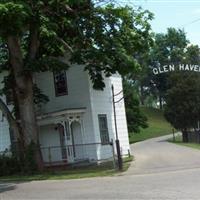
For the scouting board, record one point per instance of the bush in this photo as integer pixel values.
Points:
(29, 163)
(9, 164)
(183, 102)
(15, 163)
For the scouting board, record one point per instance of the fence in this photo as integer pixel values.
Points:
(193, 136)
(77, 154)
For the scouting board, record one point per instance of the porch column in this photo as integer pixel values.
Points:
(65, 132)
(83, 139)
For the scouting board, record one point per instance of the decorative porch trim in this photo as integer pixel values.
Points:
(73, 114)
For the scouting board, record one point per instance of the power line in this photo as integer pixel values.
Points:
(192, 22)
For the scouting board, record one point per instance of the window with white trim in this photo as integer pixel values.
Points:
(60, 83)
(103, 128)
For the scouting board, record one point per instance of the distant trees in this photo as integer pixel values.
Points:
(168, 48)
(182, 107)
(178, 93)
(135, 118)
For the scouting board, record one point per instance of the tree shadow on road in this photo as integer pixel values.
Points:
(7, 187)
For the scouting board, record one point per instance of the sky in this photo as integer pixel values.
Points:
(184, 14)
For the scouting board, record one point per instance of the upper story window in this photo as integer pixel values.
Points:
(103, 128)
(9, 97)
(60, 83)
(8, 90)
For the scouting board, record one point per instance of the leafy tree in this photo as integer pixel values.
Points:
(182, 108)
(192, 55)
(183, 98)
(140, 79)
(169, 48)
(135, 118)
(35, 33)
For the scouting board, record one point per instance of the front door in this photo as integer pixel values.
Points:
(69, 142)
(50, 143)
(63, 148)
(77, 141)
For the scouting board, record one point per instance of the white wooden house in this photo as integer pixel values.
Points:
(78, 122)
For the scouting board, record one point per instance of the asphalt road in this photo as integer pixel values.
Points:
(161, 170)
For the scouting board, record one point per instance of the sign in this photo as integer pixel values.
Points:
(180, 67)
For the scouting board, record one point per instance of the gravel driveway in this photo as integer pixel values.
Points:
(161, 170)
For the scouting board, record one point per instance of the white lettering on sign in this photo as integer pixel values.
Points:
(172, 67)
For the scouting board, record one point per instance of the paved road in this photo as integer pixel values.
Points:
(156, 155)
(161, 171)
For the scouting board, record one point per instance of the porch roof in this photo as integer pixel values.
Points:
(63, 112)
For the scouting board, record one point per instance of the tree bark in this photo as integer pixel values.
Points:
(11, 121)
(24, 93)
(142, 95)
(160, 102)
(185, 136)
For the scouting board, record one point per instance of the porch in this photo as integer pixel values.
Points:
(70, 154)
(62, 140)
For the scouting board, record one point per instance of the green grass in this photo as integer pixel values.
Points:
(127, 162)
(105, 169)
(178, 140)
(158, 126)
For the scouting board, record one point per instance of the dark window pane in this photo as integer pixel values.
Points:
(9, 97)
(60, 82)
(8, 90)
(103, 128)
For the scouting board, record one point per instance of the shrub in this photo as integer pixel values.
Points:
(15, 162)
(9, 164)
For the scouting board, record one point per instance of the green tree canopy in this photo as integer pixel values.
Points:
(104, 39)
(135, 118)
(182, 108)
(35, 34)
(168, 48)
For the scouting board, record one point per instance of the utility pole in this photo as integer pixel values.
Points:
(119, 157)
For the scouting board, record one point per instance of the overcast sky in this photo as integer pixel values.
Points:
(184, 14)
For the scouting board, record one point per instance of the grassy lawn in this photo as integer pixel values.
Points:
(73, 173)
(178, 140)
(158, 126)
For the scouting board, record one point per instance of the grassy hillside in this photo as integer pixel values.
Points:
(158, 126)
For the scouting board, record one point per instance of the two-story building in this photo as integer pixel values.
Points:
(78, 122)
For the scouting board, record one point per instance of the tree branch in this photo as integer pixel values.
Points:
(69, 9)
(12, 122)
(67, 46)
(33, 42)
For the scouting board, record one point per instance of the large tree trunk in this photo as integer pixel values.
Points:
(160, 102)
(142, 95)
(24, 93)
(185, 136)
(14, 127)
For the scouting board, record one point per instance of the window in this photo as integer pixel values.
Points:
(60, 82)
(8, 90)
(62, 141)
(103, 128)
(9, 97)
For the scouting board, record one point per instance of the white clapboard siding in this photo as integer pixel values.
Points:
(4, 135)
(102, 104)
(120, 115)
(4, 127)
(81, 95)
(78, 97)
